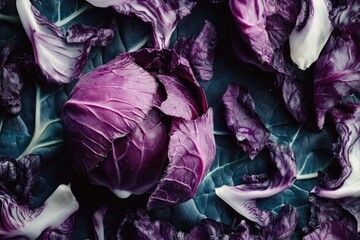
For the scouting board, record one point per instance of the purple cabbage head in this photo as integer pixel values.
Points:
(141, 122)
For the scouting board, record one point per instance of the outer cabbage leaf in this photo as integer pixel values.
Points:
(94, 119)
(170, 63)
(337, 71)
(59, 61)
(346, 184)
(179, 102)
(191, 153)
(243, 121)
(243, 197)
(162, 15)
(20, 221)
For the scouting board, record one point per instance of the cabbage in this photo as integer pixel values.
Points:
(131, 118)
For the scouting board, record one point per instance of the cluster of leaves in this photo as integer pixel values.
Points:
(273, 113)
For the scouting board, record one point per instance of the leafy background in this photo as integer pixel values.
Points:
(38, 130)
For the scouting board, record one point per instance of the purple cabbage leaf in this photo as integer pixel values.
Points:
(59, 61)
(18, 177)
(295, 95)
(243, 197)
(332, 230)
(20, 221)
(243, 121)
(199, 51)
(344, 211)
(191, 153)
(345, 12)
(311, 33)
(12, 79)
(346, 184)
(261, 30)
(162, 15)
(337, 70)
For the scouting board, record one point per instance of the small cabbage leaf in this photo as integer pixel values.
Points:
(162, 15)
(311, 34)
(243, 197)
(199, 51)
(344, 211)
(263, 27)
(20, 221)
(11, 78)
(297, 97)
(191, 153)
(243, 121)
(18, 177)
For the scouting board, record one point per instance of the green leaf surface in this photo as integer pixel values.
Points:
(37, 130)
